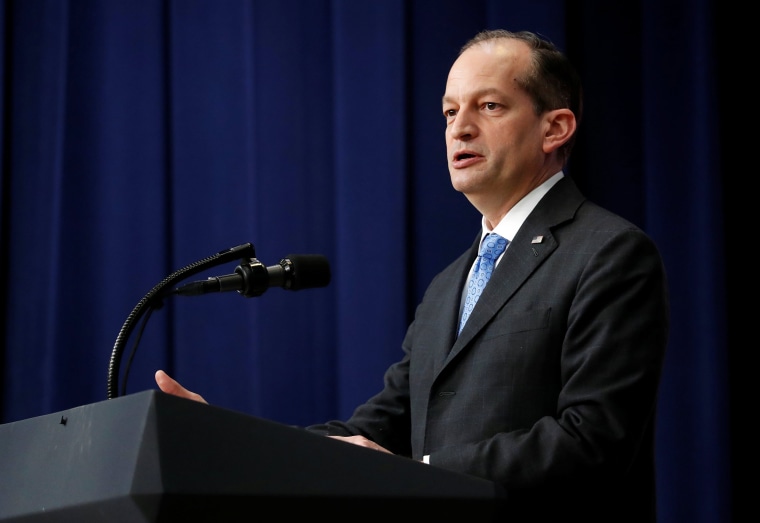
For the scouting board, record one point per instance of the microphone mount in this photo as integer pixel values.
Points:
(251, 278)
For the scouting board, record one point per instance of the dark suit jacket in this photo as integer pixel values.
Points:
(551, 388)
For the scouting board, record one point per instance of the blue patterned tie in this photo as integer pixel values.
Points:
(490, 250)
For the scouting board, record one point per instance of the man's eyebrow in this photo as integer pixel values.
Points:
(490, 91)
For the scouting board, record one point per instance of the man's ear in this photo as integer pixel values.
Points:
(560, 126)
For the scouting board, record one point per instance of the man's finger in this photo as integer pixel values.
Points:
(169, 385)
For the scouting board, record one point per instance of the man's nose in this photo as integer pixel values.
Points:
(464, 125)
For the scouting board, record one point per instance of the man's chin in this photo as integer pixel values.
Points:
(462, 181)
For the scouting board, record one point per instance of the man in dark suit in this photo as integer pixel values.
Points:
(549, 386)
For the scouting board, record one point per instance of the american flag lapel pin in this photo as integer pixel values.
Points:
(537, 239)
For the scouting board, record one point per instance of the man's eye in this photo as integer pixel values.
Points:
(449, 113)
(491, 106)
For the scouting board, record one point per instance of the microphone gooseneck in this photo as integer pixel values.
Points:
(153, 300)
(251, 278)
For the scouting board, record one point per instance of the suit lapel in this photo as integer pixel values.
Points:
(450, 300)
(532, 245)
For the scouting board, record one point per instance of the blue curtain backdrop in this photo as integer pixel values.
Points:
(140, 136)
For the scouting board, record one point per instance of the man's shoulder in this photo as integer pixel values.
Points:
(566, 203)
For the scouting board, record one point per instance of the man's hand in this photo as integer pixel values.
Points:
(362, 442)
(171, 386)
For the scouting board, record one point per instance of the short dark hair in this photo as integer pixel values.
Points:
(552, 83)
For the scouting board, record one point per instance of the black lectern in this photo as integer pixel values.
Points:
(152, 457)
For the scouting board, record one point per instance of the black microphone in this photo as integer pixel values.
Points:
(252, 278)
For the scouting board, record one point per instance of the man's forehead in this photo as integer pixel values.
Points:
(491, 62)
(493, 54)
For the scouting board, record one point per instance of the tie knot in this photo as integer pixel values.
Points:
(492, 247)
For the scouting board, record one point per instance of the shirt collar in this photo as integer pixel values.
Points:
(513, 220)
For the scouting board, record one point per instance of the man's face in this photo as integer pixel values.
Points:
(494, 139)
